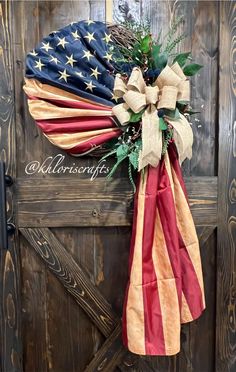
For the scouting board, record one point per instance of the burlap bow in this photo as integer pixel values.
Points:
(170, 86)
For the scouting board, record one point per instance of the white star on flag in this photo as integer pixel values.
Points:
(87, 54)
(54, 59)
(107, 38)
(70, 60)
(108, 57)
(46, 46)
(95, 72)
(39, 65)
(89, 22)
(79, 74)
(62, 42)
(90, 37)
(64, 75)
(33, 53)
(75, 35)
(90, 86)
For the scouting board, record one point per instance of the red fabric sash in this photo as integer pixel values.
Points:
(165, 285)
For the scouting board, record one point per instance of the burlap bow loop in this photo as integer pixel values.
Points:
(120, 87)
(136, 81)
(170, 86)
(151, 94)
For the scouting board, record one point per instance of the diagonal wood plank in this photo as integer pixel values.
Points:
(109, 355)
(71, 275)
(204, 232)
(113, 354)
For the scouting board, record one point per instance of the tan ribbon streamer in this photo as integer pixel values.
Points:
(170, 86)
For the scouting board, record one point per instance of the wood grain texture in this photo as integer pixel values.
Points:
(76, 325)
(111, 262)
(112, 351)
(226, 250)
(10, 319)
(110, 354)
(34, 311)
(126, 10)
(71, 275)
(107, 204)
(51, 315)
(67, 336)
(198, 338)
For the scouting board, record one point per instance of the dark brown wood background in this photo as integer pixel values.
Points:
(63, 277)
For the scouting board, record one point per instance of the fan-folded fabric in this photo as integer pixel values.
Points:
(72, 123)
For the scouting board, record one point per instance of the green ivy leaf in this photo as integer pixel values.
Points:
(137, 53)
(145, 44)
(191, 69)
(161, 60)
(162, 124)
(182, 58)
(173, 114)
(138, 143)
(155, 53)
(122, 151)
(133, 158)
(115, 166)
(191, 112)
(135, 117)
(182, 102)
(112, 152)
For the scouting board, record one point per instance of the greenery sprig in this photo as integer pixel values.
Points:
(151, 57)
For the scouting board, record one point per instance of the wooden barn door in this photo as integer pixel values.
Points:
(63, 277)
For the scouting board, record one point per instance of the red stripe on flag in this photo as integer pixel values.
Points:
(134, 225)
(166, 207)
(98, 140)
(173, 155)
(154, 336)
(73, 104)
(77, 124)
(131, 255)
(190, 283)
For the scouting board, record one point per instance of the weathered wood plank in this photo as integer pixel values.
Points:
(72, 337)
(36, 350)
(126, 10)
(52, 203)
(198, 355)
(111, 352)
(112, 268)
(226, 250)
(76, 325)
(132, 363)
(204, 232)
(10, 314)
(71, 275)
(109, 355)
(204, 45)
